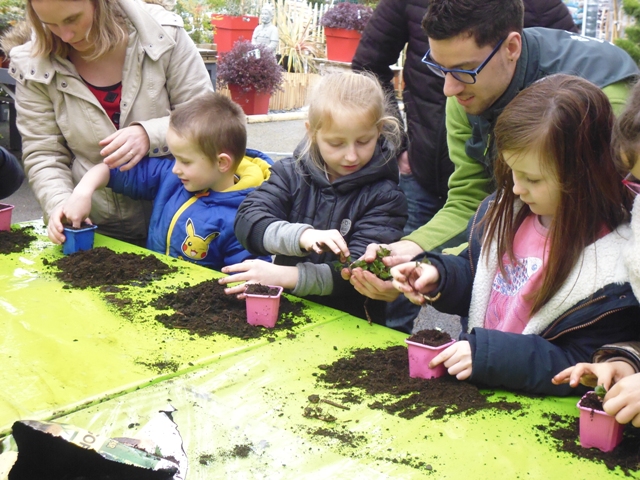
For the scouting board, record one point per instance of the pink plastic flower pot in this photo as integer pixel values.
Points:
(78, 239)
(263, 309)
(599, 429)
(5, 216)
(419, 357)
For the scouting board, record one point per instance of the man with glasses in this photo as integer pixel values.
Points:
(486, 57)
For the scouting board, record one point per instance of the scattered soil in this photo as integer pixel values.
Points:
(385, 373)
(592, 401)
(16, 240)
(100, 266)
(433, 338)
(257, 289)
(242, 451)
(205, 309)
(343, 435)
(564, 431)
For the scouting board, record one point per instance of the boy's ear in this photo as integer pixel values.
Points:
(307, 127)
(225, 163)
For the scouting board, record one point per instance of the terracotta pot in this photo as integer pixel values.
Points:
(341, 44)
(419, 357)
(252, 102)
(599, 429)
(5, 216)
(263, 309)
(78, 239)
(227, 30)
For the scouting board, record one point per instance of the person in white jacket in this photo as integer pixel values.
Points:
(617, 366)
(96, 83)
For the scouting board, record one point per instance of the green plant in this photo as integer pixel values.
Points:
(235, 8)
(631, 44)
(376, 267)
(250, 66)
(11, 11)
(197, 20)
(297, 44)
(600, 391)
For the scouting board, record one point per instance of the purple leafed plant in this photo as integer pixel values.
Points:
(250, 66)
(350, 16)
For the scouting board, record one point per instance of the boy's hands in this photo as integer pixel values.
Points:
(73, 212)
(324, 241)
(415, 279)
(457, 358)
(257, 271)
(592, 374)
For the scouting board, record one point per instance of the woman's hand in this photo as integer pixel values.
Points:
(324, 241)
(257, 271)
(125, 148)
(457, 359)
(415, 279)
(592, 374)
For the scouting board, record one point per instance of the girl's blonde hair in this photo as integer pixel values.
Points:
(343, 93)
(567, 121)
(107, 31)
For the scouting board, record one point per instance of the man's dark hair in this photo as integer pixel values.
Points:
(487, 21)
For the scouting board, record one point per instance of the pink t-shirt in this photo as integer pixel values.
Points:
(508, 309)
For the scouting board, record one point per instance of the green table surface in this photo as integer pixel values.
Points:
(85, 368)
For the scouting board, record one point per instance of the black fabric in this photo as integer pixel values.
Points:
(298, 192)
(548, 13)
(11, 174)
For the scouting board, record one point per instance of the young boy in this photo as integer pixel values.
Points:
(196, 196)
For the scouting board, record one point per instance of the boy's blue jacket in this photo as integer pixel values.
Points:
(596, 305)
(197, 227)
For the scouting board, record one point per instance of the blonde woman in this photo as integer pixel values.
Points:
(96, 83)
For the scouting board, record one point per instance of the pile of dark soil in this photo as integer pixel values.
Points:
(100, 266)
(433, 338)
(205, 309)
(386, 372)
(565, 433)
(15, 240)
(592, 401)
(257, 289)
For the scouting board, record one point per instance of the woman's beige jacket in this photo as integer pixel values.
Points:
(61, 122)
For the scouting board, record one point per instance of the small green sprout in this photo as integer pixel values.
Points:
(376, 267)
(600, 391)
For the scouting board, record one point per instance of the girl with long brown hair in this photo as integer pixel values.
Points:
(543, 282)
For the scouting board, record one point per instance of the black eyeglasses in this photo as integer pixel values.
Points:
(464, 76)
(632, 184)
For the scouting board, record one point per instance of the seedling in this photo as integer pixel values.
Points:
(600, 391)
(376, 267)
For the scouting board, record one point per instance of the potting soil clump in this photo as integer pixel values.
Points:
(433, 338)
(205, 309)
(15, 240)
(100, 266)
(564, 432)
(386, 372)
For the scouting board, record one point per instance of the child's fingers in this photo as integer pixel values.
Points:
(236, 290)
(443, 356)
(563, 376)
